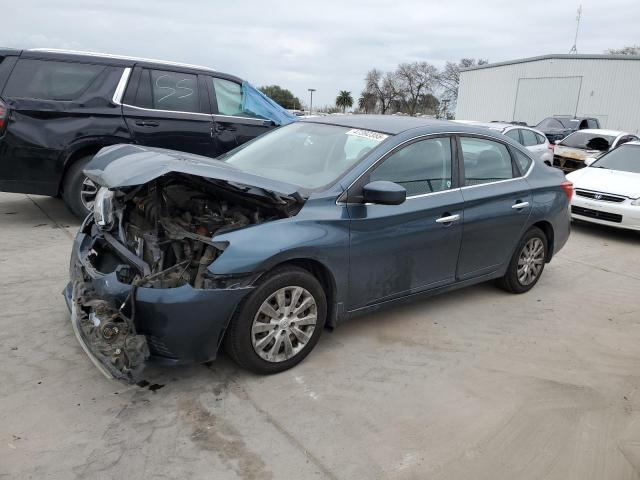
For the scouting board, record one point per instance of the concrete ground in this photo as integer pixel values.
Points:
(472, 384)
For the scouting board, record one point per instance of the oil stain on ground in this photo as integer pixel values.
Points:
(213, 433)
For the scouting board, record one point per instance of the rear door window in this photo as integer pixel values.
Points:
(174, 91)
(485, 161)
(51, 80)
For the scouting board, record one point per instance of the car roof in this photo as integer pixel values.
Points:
(499, 126)
(389, 124)
(123, 60)
(602, 131)
(573, 117)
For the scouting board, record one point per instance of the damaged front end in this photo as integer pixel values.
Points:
(141, 284)
(107, 335)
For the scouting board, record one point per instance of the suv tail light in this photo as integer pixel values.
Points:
(567, 186)
(4, 116)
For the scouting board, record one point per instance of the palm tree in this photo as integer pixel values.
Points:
(344, 100)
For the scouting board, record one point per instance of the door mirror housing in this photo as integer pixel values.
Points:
(589, 161)
(383, 192)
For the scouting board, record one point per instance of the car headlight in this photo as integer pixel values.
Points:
(103, 207)
(636, 202)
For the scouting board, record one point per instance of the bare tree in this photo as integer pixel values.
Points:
(449, 77)
(630, 50)
(412, 81)
(382, 87)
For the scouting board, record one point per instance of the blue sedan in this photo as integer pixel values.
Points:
(299, 229)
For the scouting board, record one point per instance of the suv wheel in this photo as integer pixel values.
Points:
(78, 191)
(527, 263)
(279, 323)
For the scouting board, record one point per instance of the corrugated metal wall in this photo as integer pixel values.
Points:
(608, 89)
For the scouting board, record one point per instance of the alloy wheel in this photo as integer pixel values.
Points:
(88, 191)
(530, 261)
(284, 324)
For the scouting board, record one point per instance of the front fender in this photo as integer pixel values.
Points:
(262, 247)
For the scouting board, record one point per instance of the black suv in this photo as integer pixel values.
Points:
(559, 126)
(59, 108)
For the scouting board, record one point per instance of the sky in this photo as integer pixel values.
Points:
(328, 45)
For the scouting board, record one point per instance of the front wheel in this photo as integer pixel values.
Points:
(279, 323)
(527, 263)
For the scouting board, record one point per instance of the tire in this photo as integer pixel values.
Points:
(249, 346)
(76, 188)
(532, 249)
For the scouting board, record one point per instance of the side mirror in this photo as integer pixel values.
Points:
(383, 192)
(557, 142)
(589, 160)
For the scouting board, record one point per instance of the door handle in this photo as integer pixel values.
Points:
(448, 219)
(520, 205)
(147, 123)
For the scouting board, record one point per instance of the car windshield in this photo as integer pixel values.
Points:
(625, 158)
(309, 155)
(588, 141)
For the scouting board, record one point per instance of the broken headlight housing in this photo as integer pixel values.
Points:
(103, 207)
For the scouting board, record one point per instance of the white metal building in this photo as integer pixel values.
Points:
(603, 86)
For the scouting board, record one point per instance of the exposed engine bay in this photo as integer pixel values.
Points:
(165, 229)
(158, 235)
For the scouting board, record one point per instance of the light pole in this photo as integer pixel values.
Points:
(311, 90)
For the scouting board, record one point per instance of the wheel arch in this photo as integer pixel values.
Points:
(323, 274)
(547, 228)
(83, 148)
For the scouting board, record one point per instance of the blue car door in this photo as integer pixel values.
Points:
(497, 204)
(396, 250)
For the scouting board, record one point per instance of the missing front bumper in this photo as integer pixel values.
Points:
(107, 336)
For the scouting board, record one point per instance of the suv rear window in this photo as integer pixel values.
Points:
(50, 80)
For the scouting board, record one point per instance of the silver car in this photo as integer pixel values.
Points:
(533, 140)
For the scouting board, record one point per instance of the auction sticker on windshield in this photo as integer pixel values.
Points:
(377, 136)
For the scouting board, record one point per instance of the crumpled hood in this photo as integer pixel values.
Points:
(576, 153)
(607, 181)
(128, 165)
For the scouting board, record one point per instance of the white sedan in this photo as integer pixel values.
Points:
(533, 140)
(607, 191)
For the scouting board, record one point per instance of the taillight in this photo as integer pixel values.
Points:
(4, 116)
(567, 186)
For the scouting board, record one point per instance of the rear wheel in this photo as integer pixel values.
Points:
(279, 323)
(78, 191)
(527, 263)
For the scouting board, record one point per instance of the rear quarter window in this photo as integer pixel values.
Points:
(529, 138)
(50, 80)
(524, 162)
